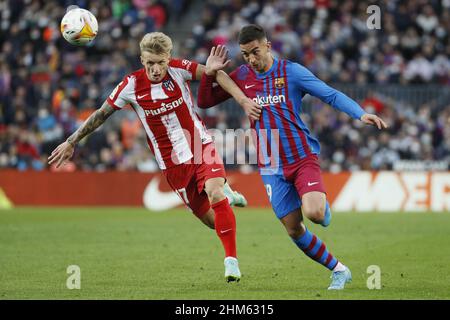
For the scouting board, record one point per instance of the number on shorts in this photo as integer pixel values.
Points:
(269, 191)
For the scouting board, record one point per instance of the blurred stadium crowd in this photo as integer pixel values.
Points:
(48, 87)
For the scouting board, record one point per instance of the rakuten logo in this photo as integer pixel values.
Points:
(164, 107)
(267, 101)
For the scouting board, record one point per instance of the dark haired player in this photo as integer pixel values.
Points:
(287, 152)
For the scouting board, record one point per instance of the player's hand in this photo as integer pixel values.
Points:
(251, 108)
(217, 60)
(61, 154)
(374, 120)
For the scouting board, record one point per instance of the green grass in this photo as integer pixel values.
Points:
(128, 253)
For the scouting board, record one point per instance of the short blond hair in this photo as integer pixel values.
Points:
(156, 43)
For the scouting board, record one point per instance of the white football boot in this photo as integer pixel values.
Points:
(234, 198)
(232, 272)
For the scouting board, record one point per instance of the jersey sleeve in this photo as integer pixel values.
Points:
(210, 93)
(185, 67)
(309, 83)
(120, 96)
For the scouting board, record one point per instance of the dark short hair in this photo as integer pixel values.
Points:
(250, 33)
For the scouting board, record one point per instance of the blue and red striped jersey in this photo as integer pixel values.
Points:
(281, 136)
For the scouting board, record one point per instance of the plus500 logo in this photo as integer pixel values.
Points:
(165, 107)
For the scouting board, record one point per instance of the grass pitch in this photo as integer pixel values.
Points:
(129, 253)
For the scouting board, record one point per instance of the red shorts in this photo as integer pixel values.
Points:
(188, 179)
(305, 175)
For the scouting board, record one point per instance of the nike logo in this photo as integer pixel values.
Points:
(140, 97)
(249, 86)
(223, 231)
(157, 200)
(214, 170)
(312, 183)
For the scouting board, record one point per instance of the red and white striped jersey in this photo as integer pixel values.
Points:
(166, 111)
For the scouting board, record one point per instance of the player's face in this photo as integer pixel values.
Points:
(155, 65)
(257, 54)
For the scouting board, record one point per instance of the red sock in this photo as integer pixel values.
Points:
(225, 224)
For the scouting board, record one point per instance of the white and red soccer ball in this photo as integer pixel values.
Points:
(79, 26)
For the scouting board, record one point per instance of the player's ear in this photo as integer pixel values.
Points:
(142, 60)
(269, 45)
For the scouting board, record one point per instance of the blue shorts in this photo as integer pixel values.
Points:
(286, 186)
(282, 194)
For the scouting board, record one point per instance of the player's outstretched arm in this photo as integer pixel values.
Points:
(251, 108)
(311, 84)
(64, 151)
(217, 61)
(208, 95)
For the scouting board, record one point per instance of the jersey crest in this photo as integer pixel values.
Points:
(168, 84)
(279, 83)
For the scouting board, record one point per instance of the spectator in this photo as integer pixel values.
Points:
(48, 87)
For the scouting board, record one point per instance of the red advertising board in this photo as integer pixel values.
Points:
(360, 191)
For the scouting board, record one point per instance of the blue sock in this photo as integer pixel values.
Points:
(327, 216)
(314, 248)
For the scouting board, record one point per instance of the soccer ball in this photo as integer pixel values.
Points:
(79, 26)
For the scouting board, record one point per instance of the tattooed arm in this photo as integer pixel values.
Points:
(94, 121)
(64, 151)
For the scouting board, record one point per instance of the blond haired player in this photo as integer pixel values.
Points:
(160, 95)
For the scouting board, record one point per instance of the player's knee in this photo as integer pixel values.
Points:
(215, 193)
(314, 211)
